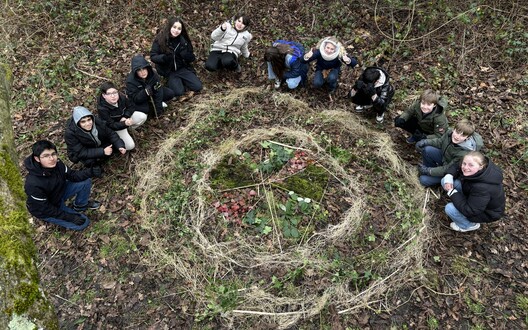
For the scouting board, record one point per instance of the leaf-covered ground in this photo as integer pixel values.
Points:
(60, 51)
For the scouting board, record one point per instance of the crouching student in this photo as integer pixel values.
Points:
(283, 59)
(439, 154)
(144, 88)
(476, 192)
(373, 90)
(425, 118)
(119, 113)
(50, 183)
(329, 54)
(89, 140)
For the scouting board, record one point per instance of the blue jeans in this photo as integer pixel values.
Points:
(331, 79)
(458, 217)
(291, 82)
(431, 157)
(81, 191)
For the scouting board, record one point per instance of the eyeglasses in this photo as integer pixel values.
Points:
(112, 93)
(52, 155)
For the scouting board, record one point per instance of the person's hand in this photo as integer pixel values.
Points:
(122, 151)
(148, 90)
(129, 122)
(448, 186)
(424, 170)
(399, 122)
(308, 55)
(97, 171)
(420, 145)
(346, 59)
(224, 26)
(371, 91)
(74, 218)
(359, 85)
(108, 150)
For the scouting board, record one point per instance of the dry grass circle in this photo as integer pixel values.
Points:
(200, 260)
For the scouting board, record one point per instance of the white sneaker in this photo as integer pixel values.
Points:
(379, 119)
(277, 83)
(360, 108)
(455, 227)
(164, 105)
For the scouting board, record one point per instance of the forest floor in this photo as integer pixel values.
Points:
(104, 278)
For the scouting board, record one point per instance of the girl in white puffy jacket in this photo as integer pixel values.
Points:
(231, 39)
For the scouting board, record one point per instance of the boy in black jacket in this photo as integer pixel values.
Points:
(50, 183)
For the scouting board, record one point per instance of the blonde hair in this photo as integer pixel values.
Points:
(478, 157)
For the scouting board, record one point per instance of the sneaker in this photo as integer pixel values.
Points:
(164, 105)
(412, 139)
(360, 108)
(92, 205)
(379, 118)
(277, 83)
(238, 69)
(455, 227)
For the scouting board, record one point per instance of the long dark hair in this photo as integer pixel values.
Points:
(164, 34)
(276, 55)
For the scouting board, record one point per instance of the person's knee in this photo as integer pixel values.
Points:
(450, 209)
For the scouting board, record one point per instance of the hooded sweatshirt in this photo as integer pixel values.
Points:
(45, 187)
(88, 146)
(136, 86)
(231, 40)
(482, 198)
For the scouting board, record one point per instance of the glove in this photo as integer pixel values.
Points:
(97, 171)
(370, 90)
(419, 135)
(74, 218)
(424, 170)
(399, 122)
(420, 145)
(148, 90)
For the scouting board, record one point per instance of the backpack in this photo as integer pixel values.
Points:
(298, 49)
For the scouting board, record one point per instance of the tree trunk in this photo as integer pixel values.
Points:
(23, 304)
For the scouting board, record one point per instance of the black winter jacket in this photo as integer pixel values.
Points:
(45, 187)
(181, 55)
(383, 88)
(135, 86)
(84, 146)
(112, 115)
(482, 197)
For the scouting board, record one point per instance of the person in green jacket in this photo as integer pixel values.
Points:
(425, 118)
(439, 154)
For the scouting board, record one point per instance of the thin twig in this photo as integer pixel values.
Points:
(267, 313)
(88, 73)
(74, 304)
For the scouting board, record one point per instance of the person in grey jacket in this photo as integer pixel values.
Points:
(231, 39)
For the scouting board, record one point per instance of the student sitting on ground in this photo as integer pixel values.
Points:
(441, 153)
(119, 113)
(50, 183)
(89, 140)
(283, 59)
(476, 192)
(373, 90)
(425, 118)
